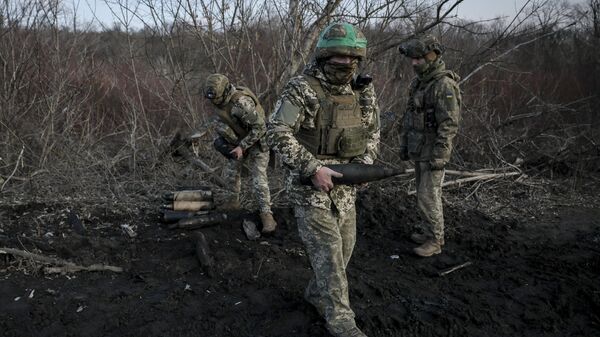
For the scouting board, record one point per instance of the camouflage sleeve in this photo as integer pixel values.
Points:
(297, 101)
(370, 119)
(447, 115)
(245, 111)
(224, 131)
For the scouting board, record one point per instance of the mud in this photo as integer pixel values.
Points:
(535, 271)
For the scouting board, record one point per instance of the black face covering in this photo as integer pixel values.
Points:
(340, 73)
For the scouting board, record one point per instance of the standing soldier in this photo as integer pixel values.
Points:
(429, 126)
(325, 116)
(241, 124)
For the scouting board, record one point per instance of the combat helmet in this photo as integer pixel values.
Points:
(420, 46)
(215, 86)
(341, 38)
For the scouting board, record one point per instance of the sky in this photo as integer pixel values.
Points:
(469, 9)
(488, 9)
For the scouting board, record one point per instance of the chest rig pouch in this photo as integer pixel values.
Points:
(422, 118)
(338, 129)
(424, 112)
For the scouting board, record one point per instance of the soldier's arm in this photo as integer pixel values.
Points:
(225, 131)
(245, 111)
(285, 121)
(370, 117)
(447, 115)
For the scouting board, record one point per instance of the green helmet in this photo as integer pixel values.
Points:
(341, 39)
(215, 86)
(420, 46)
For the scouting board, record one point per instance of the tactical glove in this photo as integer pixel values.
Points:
(436, 164)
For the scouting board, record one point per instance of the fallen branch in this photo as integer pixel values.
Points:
(455, 268)
(179, 146)
(73, 268)
(475, 178)
(468, 173)
(64, 266)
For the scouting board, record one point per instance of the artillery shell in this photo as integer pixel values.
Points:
(203, 252)
(201, 221)
(190, 206)
(192, 195)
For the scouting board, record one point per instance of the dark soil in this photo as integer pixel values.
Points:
(535, 271)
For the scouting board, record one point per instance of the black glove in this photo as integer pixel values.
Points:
(437, 164)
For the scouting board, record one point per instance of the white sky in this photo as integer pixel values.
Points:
(487, 9)
(469, 9)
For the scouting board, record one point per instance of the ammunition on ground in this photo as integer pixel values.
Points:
(192, 195)
(224, 147)
(200, 221)
(190, 206)
(174, 216)
(203, 253)
(355, 173)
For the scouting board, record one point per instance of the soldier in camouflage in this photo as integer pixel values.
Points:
(241, 123)
(429, 126)
(324, 117)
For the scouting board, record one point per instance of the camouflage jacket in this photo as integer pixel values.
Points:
(430, 122)
(245, 114)
(280, 136)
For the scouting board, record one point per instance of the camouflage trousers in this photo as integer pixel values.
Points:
(329, 238)
(429, 199)
(256, 161)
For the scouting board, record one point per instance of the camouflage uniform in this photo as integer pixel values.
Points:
(429, 126)
(326, 221)
(245, 114)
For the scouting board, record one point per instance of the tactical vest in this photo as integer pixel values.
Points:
(421, 119)
(424, 111)
(224, 112)
(338, 131)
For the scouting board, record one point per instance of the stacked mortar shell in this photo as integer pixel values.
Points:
(185, 204)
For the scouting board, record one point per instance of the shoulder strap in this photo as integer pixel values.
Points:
(244, 91)
(315, 85)
(225, 116)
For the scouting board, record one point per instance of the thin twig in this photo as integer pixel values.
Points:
(455, 268)
(476, 178)
(15, 169)
(466, 78)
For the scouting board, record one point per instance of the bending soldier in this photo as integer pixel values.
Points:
(429, 126)
(324, 117)
(241, 124)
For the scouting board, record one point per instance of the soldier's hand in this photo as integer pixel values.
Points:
(322, 179)
(237, 153)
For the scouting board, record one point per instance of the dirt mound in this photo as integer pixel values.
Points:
(534, 275)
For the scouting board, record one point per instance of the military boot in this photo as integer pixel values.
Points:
(268, 222)
(429, 248)
(345, 330)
